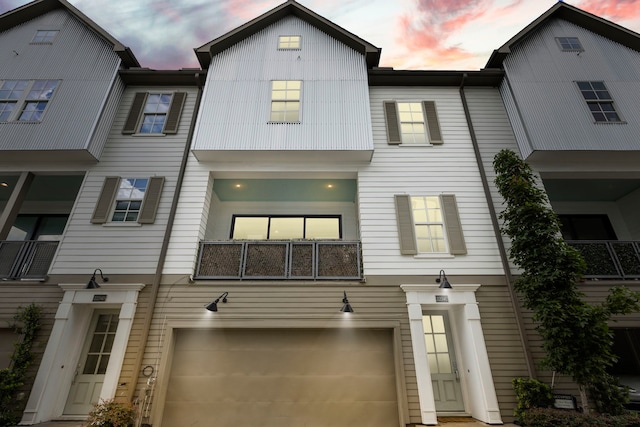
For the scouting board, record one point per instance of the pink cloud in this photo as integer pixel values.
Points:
(616, 10)
(246, 10)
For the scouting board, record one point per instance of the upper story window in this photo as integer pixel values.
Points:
(599, 101)
(155, 113)
(285, 101)
(569, 44)
(128, 200)
(413, 122)
(429, 225)
(289, 42)
(277, 227)
(25, 100)
(44, 36)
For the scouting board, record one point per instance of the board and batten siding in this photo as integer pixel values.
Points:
(542, 78)
(422, 170)
(86, 66)
(236, 103)
(125, 248)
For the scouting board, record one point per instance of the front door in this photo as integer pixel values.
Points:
(445, 377)
(87, 383)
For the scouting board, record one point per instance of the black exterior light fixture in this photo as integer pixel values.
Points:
(214, 305)
(444, 283)
(346, 308)
(92, 282)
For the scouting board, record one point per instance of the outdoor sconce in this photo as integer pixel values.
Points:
(214, 305)
(346, 308)
(444, 283)
(92, 282)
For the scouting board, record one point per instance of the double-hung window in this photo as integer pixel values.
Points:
(429, 225)
(128, 200)
(285, 101)
(599, 101)
(25, 100)
(412, 122)
(155, 113)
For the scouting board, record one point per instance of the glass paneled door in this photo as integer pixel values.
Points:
(89, 375)
(445, 377)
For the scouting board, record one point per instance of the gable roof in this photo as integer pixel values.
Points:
(576, 16)
(37, 8)
(290, 7)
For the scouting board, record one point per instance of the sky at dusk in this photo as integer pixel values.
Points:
(413, 34)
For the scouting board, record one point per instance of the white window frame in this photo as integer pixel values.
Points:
(429, 224)
(291, 42)
(28, 96)
(127, 194)
(290, 96)
(413, 125)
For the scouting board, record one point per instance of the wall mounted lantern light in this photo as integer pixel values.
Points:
(92, 282)
(214, 305)
(346, 308)
(444, 283)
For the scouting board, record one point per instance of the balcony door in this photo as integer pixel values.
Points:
(38, 227)
(89, 376)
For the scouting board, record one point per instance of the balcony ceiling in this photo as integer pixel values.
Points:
(285, 190)
(589, 190)
(44, 187)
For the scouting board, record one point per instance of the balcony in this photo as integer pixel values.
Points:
(279, 260)
(26, 260)
(609, 259)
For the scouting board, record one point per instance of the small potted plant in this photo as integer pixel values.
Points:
(109, 413)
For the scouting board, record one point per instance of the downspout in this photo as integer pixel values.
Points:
(155, 286)
(496, 229)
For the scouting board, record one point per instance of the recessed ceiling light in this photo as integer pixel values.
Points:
(238, 185)
(329, 185)
(4, 184)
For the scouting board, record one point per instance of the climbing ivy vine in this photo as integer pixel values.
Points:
(27, 324)
(575, 335)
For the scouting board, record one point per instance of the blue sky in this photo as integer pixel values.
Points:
(413, 34)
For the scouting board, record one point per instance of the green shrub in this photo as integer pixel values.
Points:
(530, 393)
(109, 413)
(547, 417)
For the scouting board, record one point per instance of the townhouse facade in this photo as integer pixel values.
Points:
(304, 192)
(279, 227)
(571, 80)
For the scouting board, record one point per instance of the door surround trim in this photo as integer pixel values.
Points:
(478, 391)
(56, 371)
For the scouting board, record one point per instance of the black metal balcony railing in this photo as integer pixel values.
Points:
(26, 260)
(609, 259)
(288, 260)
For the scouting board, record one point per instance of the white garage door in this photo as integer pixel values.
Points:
(282, 378)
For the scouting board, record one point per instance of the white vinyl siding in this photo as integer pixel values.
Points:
(124, 156)
(449, 168)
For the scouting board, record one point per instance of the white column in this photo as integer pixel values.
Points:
(423, 373)
(485, 402)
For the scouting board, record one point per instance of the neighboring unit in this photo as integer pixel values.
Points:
(571, 85)
(82, 196)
